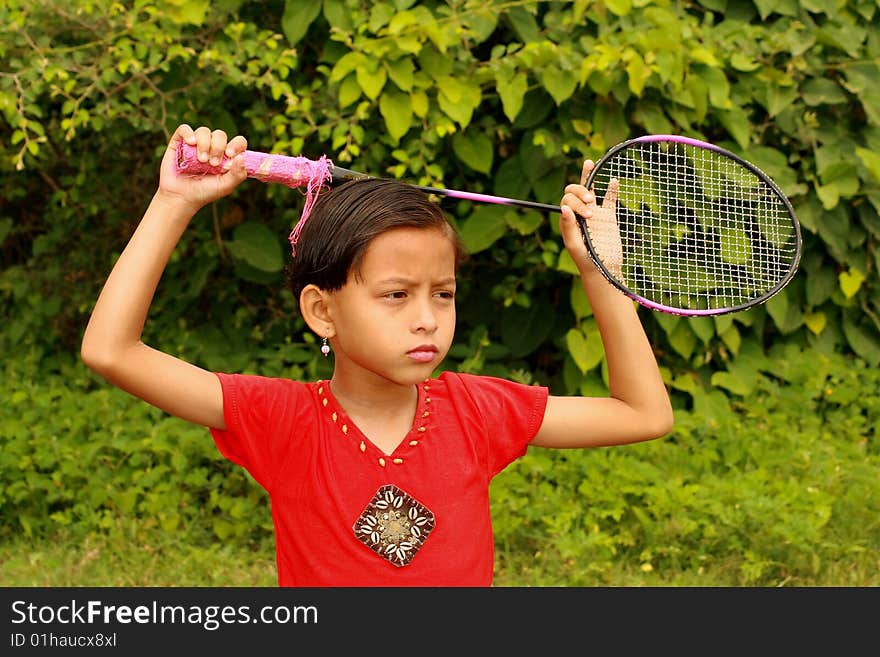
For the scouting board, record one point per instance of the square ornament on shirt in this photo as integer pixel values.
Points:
(394, 525)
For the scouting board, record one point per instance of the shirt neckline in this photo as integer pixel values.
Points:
(343, 425)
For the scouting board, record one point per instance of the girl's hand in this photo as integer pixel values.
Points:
(601, 222)
(212, 147)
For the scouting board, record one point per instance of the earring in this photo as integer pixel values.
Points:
(325, 348)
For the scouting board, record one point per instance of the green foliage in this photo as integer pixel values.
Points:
(500, 97)
(516, 92)
(77, 455)
(774, 487)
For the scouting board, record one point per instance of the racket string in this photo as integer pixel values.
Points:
(699, 230)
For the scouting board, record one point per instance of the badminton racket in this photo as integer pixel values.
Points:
(694, 229)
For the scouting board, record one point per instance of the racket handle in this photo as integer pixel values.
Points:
(266, 167)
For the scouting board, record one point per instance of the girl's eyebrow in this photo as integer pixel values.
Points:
(402, 280)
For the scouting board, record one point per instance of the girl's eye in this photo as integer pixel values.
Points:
(445, 295)
(396, 295)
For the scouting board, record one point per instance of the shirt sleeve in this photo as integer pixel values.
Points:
(261, 414)
(511, 414)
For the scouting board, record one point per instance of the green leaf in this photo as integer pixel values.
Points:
(780, 98)
(483, 228)
(718, 86)
(512, 93)
(786, 315)
(585, 348)
(737, 382)
(637, 73)
(525, 222)
(735, 245)
(523, 24)
(566, 263)
(548, 188)
(510, 180)
(862, 336)
(850, 282)
(736, 122)
(420, 104)
(683, 339)
(731, 338)
(784, 7)
(396, 109)
(871, 160)
(703, 327)
(371, 78)
(349, 91)
(559, 83)
(337, 15)
(349, 62)
(458, 99)
(474, 149)
(188, 11)
(580, 302)
(257, 246)
(816, 322)
(380, 14)
(619, 7)
(298, 16)
(861, 79)
(536, 106)
(820, 285)
(821, 91)
(401, 71)
(743, 62)
(524, 329)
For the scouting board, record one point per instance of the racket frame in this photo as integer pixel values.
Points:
(691, 312)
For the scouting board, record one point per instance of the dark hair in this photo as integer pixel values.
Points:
(345, 219)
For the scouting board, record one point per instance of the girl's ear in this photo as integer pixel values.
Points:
(313, 304)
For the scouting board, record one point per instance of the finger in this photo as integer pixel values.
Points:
(236, 145)
(587, 197)
(581, 192)
(573, 236)
(586, 171)
(576, 204)
(218, 146)
(234, 172)
(185, 133)
(203, 143)
(568, 225)
(611, 193)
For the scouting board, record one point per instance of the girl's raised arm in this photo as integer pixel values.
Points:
(638, 407)
(112, 344)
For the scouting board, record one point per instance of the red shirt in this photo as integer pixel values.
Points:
(323, 475)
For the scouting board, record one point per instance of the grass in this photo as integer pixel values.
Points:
(155, 559)
(160, 559)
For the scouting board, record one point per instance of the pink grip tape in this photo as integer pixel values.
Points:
(291, 171)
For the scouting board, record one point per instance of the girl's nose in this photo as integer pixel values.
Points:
(425, 318)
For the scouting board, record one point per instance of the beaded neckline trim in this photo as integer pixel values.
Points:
(415, 436)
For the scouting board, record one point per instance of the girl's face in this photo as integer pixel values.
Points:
(396, 321)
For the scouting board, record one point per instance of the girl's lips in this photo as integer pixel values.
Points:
(423, 354)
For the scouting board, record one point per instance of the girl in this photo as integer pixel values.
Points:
(380, 475)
